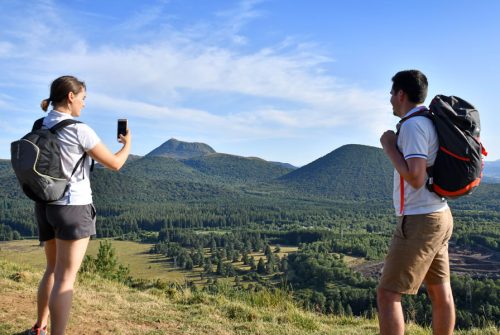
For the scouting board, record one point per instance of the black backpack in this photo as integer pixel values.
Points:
(36, 160)
(458, 168)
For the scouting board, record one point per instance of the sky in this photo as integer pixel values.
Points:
(286, 81)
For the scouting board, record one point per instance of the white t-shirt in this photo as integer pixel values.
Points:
(417, 138)
(75, 139)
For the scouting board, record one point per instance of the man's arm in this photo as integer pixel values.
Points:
(412, 170)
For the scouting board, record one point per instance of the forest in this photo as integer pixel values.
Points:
(209, 214)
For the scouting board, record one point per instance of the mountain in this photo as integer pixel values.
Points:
(5, 168)
(181, 150)
(349, 172)
(285, 165)
(9, 186)
(491, 172)
(161, 168)
(231, 167)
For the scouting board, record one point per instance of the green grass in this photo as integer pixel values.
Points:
(136, 255)
(127, 311)
(123, 310)
(142, 264)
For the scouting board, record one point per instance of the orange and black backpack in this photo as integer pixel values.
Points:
(458, 168)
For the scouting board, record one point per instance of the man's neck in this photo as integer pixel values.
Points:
(407, 108)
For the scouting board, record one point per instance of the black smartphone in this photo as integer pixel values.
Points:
(122, 127)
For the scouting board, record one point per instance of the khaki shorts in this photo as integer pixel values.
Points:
(418, 252)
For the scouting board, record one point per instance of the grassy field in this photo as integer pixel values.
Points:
(142, 264)
(122, 310)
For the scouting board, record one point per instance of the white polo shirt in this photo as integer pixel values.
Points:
(417, 138)
(75, 139)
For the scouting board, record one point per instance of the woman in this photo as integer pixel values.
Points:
(67, 224)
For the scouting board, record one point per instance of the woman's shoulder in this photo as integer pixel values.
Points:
(88, 138)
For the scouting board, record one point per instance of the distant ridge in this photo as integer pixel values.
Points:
(350, 172)
(285, 165)
(232, 167)
(176, 149)
(491, 172)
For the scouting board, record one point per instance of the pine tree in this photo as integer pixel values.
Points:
(189, 263)
(220, 267)
(267, 250)
(252, 263)
(261, 266)
(207, 267)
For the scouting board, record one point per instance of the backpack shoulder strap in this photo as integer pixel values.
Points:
(38, 124)
(423, 112)
(63, 124)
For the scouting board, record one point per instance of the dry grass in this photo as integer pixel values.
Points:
(104, 307)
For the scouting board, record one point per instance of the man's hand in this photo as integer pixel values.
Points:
(388, 140)
(413, 170)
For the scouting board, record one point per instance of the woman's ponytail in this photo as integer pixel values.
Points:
(45, 104)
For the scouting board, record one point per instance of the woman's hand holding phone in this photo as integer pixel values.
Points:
(123, 133)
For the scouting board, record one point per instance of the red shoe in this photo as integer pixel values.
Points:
(37, 330)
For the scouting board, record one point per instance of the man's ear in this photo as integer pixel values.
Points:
(401, 95)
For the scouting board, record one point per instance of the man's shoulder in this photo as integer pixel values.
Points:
(418, 123)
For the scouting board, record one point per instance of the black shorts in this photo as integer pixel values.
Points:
(65, 222)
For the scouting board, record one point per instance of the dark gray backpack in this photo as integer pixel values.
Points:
(36, 160)
(458, 168)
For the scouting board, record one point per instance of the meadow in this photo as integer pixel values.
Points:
(142, 263)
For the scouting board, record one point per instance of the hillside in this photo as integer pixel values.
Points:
(349, 172)
(154, 180)
(4, 166)
(181, 150)
(172, 310)
(161, 168)
(237, 168)
(9, 186)
(491, 171)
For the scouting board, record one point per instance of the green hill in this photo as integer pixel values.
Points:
(231, 167)
(181, 150)
(349, 172)
(5, 167)
(162, 168)
(9, 186)
(154, 179)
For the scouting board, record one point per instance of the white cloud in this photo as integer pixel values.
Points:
(149, 79)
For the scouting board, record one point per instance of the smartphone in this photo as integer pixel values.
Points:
(122, 127)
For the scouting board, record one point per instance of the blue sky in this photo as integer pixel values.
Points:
(283, 80)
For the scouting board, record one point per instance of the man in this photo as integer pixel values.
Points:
(419, 247)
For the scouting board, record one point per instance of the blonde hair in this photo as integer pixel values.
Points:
(59, 90)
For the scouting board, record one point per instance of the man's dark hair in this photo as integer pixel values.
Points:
(413, 83)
